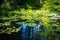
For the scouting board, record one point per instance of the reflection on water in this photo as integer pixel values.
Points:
(23, 31)
(28, 33)
(43, 37)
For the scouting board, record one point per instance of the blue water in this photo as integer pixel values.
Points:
(23, 31)
(28, 32)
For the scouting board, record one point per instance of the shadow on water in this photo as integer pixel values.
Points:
(12, 36)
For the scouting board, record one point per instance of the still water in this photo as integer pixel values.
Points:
(28, 33)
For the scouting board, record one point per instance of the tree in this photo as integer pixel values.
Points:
(52, 6)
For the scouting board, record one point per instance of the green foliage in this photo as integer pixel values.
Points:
(31, 11)
(52, 5)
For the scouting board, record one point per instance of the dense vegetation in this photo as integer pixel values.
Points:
(31, 11)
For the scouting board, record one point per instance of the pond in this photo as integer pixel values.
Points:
(29, 33)
(26, 33)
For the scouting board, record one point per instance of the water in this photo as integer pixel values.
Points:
(42, 38)
(28, 33)
(24, 34)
